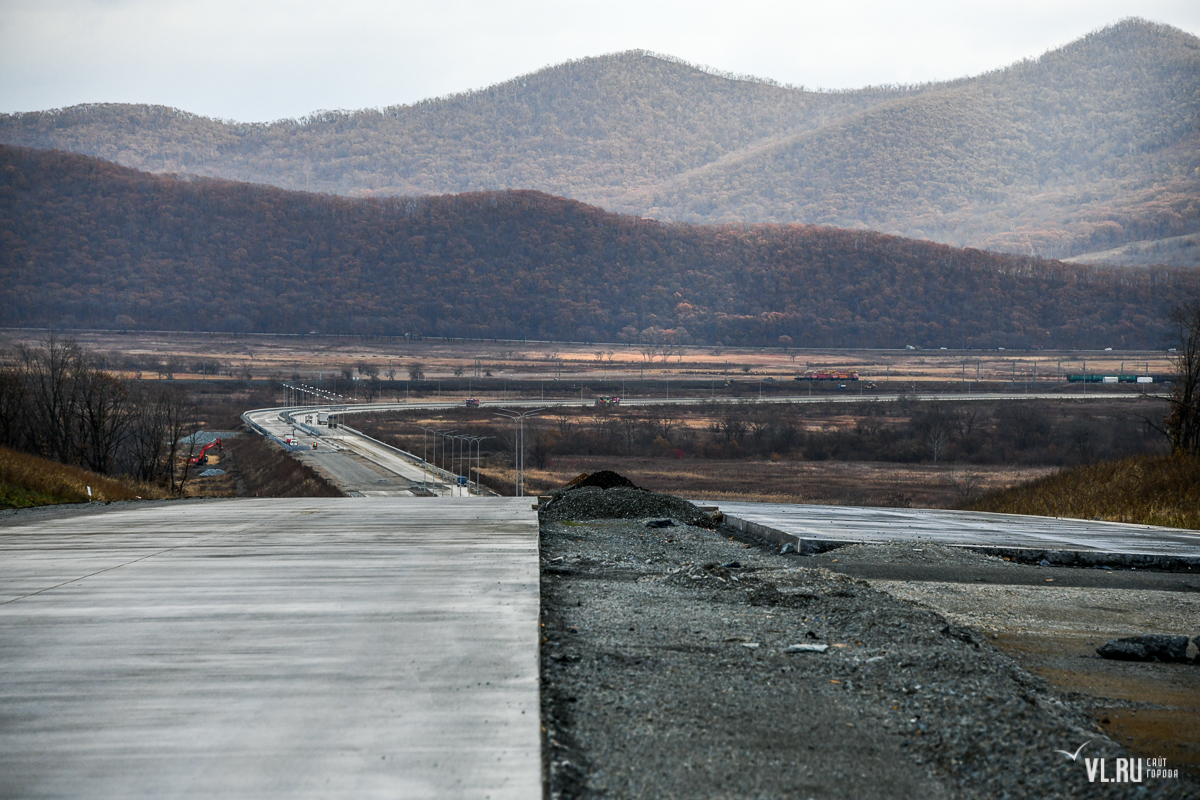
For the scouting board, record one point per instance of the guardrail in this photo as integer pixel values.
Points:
(261, 431)
(446, 475)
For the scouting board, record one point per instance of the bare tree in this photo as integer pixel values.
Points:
(49, 373)
(662, 420)
(935, 424)
(966, 484)
(1183, 420)
(106, 412)
(544, 443)
(14, 427)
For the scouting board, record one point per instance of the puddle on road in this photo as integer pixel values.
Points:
(1170, 730)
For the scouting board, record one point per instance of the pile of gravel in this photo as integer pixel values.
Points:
(604, 479)
(621, 502)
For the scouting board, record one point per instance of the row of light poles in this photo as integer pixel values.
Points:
(298, 391)
(459, 440)
(456, 454)
(518, 418)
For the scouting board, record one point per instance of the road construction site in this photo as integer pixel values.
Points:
(400, 644)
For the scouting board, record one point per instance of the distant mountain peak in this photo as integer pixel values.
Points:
(1080, 150)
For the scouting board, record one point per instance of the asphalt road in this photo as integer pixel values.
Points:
(272, 648)
(356, 464)
(401, 474)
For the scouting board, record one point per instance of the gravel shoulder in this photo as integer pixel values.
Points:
(1050, 620)
(666, 672)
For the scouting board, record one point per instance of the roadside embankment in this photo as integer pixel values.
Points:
(679, 661)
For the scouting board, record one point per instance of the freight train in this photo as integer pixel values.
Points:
(1117, 378)
(825, 375)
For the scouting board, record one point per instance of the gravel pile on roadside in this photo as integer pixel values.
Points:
(604, 479)
(620, 502)
(683, 662)
(911, 553)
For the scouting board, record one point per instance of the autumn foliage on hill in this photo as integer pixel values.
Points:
(1086, 148)
(87, 243)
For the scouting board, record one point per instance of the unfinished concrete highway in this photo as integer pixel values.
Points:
(272, 648)
(808, 525)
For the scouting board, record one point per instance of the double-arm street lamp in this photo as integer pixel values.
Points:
(518, 418)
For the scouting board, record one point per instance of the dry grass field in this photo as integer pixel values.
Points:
(312, 358)
(857, 483)
(27, 480)
(1147, 490)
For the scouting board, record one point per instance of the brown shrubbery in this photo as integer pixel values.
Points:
(267, 471)
(27, 480)
(1149, 490)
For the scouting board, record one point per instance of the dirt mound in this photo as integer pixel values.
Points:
(620, 502)
(604, 479)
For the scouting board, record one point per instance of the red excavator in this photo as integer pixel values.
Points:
(203, 457)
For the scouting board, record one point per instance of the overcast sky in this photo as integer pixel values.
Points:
(258, 60)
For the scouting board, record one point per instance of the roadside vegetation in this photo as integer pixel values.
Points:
(1145, 489)
(906, 453)
(1148, 490)
(265, 470)
(27, 480)
(60, 402)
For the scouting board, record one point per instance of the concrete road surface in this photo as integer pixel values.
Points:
(332, 648)
(851, 524)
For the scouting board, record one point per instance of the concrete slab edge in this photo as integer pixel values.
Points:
(1023, 555)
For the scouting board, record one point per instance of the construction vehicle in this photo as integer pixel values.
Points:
(203, 457)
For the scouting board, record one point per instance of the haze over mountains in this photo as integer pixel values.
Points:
(1089, 148)
(88, 243)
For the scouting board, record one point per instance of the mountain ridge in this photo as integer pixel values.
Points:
(1080, 150)
(89, 243)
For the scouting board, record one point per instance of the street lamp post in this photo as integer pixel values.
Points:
(518, 418)
(476, 441)
(425, 453)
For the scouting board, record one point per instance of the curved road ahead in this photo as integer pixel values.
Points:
(406, 473)
(361, 466)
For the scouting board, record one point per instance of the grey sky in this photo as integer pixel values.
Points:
(257, 60)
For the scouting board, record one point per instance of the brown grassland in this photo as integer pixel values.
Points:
(859, 483)
(27, 480)
(454, 362)
(1147, 490)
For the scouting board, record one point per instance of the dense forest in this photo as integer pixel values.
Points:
(1092, 146)
(88, 243)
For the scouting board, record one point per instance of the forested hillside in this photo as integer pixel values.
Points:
(1089, 147)
(87, 243)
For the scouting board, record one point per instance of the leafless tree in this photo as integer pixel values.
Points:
(966, 484)
(49, 373)
(106, 413)
(935, 423)
(1183, 420)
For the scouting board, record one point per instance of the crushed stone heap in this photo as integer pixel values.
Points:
(608, 495)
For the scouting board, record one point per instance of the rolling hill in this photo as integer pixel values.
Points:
(1093, 146)
(88, 243)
